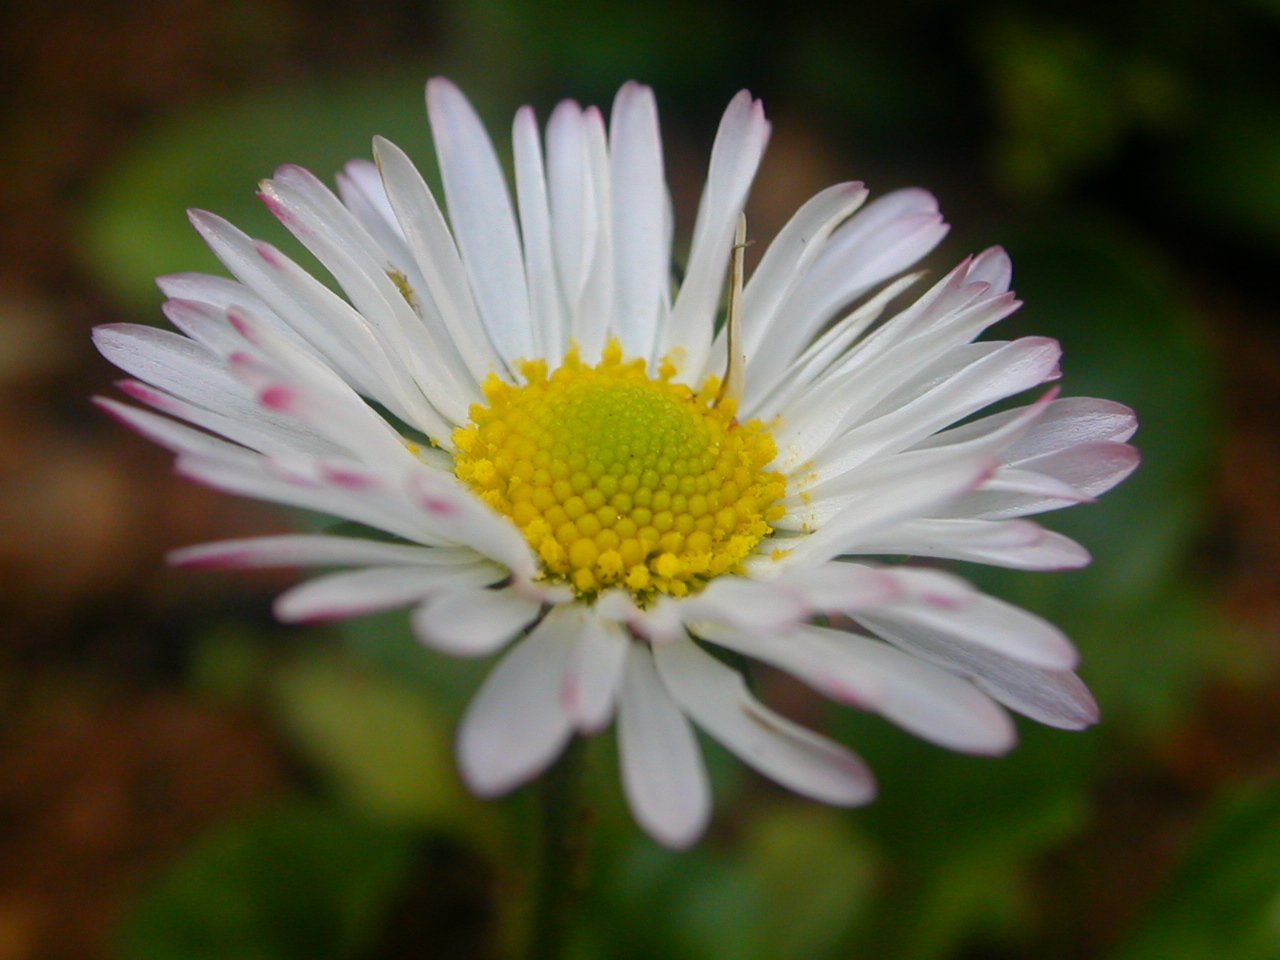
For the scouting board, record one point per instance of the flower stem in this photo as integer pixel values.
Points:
(560, 858)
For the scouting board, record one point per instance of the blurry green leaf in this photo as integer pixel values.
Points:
(959, 833)
(1066, 96)
(684, 44)
(1146, 661)
(384, 747)
(134, 227)
(386, 641)
(812, 871)
(299, 882)
(1227, 173)
(1223, 902)
(935, 805)
(650, 902)
(229, 663)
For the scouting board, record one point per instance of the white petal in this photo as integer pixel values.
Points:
(550, 336)
(1075, 420)
(483, 222)
(595, 310)
(436, 256)
(921, 698)
(204, 288)
(299, 550)
(1092, 468)
(1057, 698)
(307, 484)
(357, 592)
(820, 360)
(885, 237)
(176, 364)
(473, 623)
(982, 621)
(746, 604)
(890, 498)
(594, 674)
(172, 435)
(994, 267)
(996, 372)
(662, 771)
(739, 145)
(466, 519)
(515, 726)
(789, 255)
(396, 315)
(262, 432)
(304, 311)
(717, 699)
(1019, 544)
(642, 254)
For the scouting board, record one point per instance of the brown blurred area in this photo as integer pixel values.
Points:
(108, 766)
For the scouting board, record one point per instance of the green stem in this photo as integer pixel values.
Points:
(560, 857)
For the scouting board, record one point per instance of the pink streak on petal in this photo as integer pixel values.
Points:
(140, 391)
(214, 561)
(278, 210)
(350, 479)
(268, 254)
(439, 505)
(279, 397)
(944, 601)
(571, 694)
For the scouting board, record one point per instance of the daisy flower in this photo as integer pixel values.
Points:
(555, 446)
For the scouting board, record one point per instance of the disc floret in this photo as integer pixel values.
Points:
(621, 479)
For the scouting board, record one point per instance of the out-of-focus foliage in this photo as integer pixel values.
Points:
(1223, 903)
(385, 750)
(302, 881)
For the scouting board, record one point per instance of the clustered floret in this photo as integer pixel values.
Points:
(617, 478)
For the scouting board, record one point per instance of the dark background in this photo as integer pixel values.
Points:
(181, 778)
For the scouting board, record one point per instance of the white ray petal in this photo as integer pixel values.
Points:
(258, 428)
(894, 496)
(306, 550)
(1056, 698)
(921, 698)
(546, 305)
(717, 699)
(998, 371)
(739, 145)
(465, 519)
(594, 674)
(662, 771)
(1018, 544)
(515, 726)
(473, 623)
(436, 255)
(188, 371)
(595, 311)
(482, 218)
(353, 593)
(789, 256)
(642, 254)
(984, 622)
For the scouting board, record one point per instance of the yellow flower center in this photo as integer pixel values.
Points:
(617, 478)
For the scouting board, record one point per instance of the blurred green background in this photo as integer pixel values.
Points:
(181, 779)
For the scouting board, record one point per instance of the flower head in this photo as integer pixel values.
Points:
(562, 453)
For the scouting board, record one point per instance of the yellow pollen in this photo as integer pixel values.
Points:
(620, 479)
